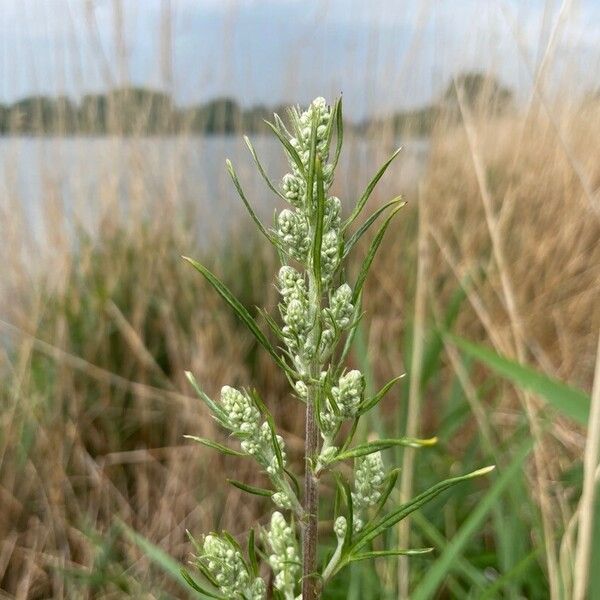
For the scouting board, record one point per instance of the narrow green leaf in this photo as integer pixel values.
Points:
(312, 163)
(570, 401)
(248, 206)
(239, 309)
(250, 489)
(346, 494)
(389, 520)
(367, 193)
(261, 170)
(391, 480)
(214, 445)
(367, 405)
(368, 260)
(319, 218)
(371, 447)
(160, 558)
(443, 565)
(339, 120)
(387, 553)
(353, 240)
(213, 406)
(288, 147)
(252, 553)
(196, 587)
(294, 481)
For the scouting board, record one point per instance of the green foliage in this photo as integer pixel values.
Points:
(318, 310)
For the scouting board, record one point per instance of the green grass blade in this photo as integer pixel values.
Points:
(570, 401)
(444, 564)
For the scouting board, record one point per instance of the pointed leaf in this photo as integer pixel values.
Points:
(386, 553)
(261, 170)
(250, 489)
(368, 260)
(249, 208)
(367, 193)
(339, 120)
(239, 309)
(196, 587)
(319, 218)
(367, 405)
(377, 446)
(214, 445)
(389, 520)
(212, 405)
(252, 553)
(353, 240)
(288, 147)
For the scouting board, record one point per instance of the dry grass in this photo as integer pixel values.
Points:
(99, 330)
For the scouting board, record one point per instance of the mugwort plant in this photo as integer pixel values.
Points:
(320, 311)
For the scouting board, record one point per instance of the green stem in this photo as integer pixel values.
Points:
(310, 589)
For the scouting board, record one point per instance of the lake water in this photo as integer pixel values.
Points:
(47, 183)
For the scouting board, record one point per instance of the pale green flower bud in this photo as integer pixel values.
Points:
(294, 189)
(369, 476)
(293, 232)
(333, 210)
(330, 254)
(284, 558)
(226, 565)
(341, 306)
(348, 393)
(339, 528)
(242, 415)
(282, 500)
(301, 389)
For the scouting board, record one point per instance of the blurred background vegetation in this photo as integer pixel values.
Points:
(486, 293)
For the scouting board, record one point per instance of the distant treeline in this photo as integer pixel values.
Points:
(140, 111)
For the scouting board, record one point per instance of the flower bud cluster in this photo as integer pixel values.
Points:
(293, 226)
(225, 563)
(348, 393)
(295, 311)
(243, 419)
(369, 475)
(284, 558)
(336, 318)
(347, 397)
(242, 415)
(319, 111)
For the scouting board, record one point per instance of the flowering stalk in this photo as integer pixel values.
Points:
(319, 313)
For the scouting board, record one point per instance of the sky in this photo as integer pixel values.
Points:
(381, 54)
